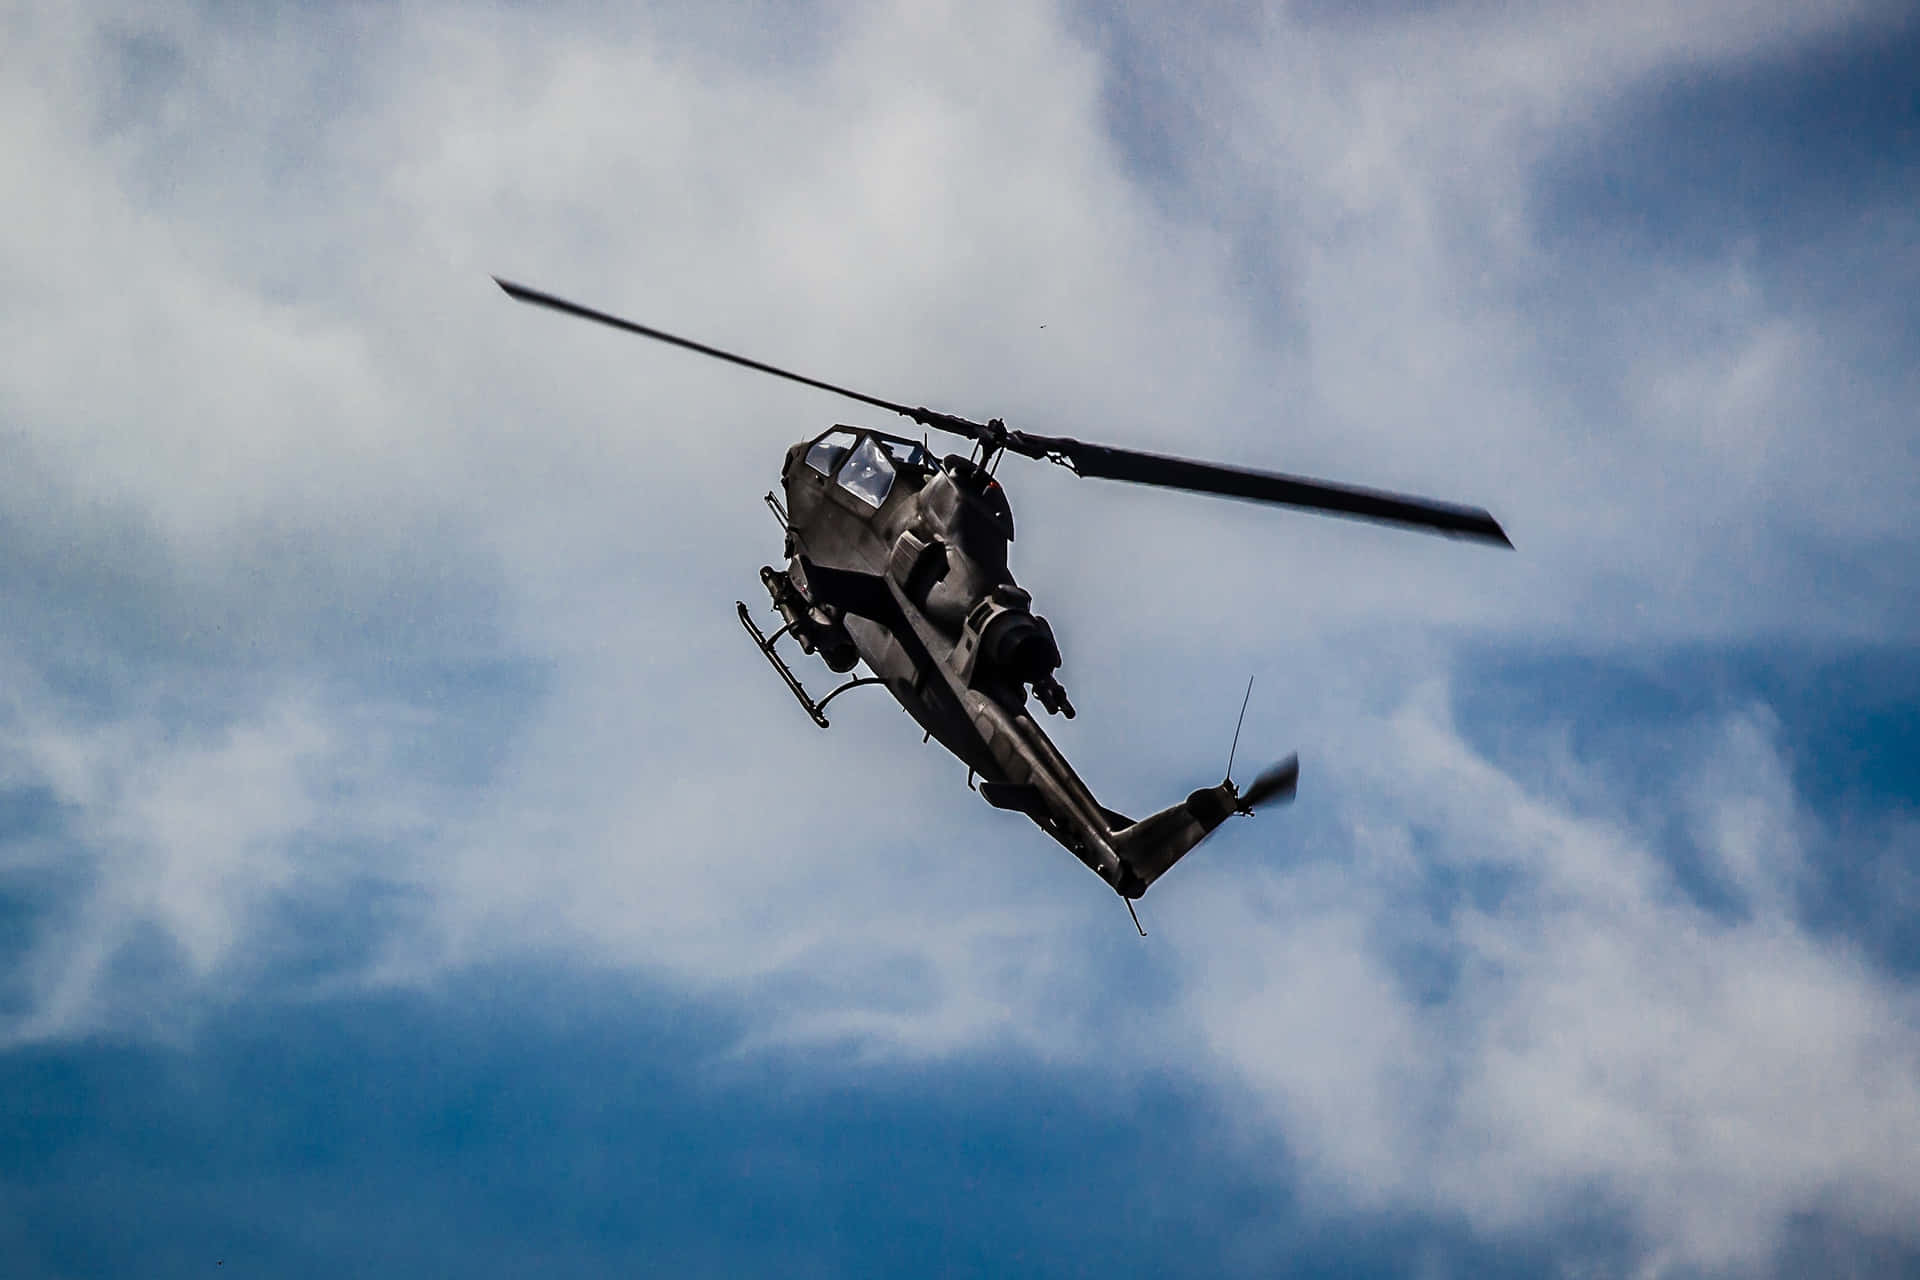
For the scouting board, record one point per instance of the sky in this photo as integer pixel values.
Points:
(407, 866)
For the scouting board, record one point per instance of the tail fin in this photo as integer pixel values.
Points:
(1152, 845)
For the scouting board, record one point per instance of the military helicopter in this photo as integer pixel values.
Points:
(898, 559)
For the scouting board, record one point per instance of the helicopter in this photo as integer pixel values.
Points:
(898, 559)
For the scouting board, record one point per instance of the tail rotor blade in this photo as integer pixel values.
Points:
(1275, 785)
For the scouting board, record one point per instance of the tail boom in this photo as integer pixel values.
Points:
(1150, 847)
(1035, 779)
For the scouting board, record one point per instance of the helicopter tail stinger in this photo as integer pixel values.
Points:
(1151, 846)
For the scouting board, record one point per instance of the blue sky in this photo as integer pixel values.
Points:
(406, 865)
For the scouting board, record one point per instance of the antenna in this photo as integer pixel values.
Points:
(1135, 915)
(1236, 728)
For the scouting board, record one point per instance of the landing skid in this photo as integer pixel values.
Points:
(765, 643)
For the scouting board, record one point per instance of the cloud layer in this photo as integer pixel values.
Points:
(342, 587)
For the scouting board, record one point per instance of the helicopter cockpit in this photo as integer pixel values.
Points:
(867, 462)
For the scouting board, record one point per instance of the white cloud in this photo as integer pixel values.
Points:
(1602, 1034)
(259, 364)
(179, 839)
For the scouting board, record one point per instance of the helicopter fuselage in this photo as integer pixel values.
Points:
(900, 560)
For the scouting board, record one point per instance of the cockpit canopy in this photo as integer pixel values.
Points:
(867, 461)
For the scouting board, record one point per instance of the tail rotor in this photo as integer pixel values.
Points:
(1275, 785)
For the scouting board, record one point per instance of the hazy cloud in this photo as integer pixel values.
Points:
(332, 572)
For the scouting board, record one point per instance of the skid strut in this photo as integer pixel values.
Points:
(765, 643)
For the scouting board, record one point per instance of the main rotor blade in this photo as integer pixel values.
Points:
(1100, 460)
(1356, 503)
(924, 416)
